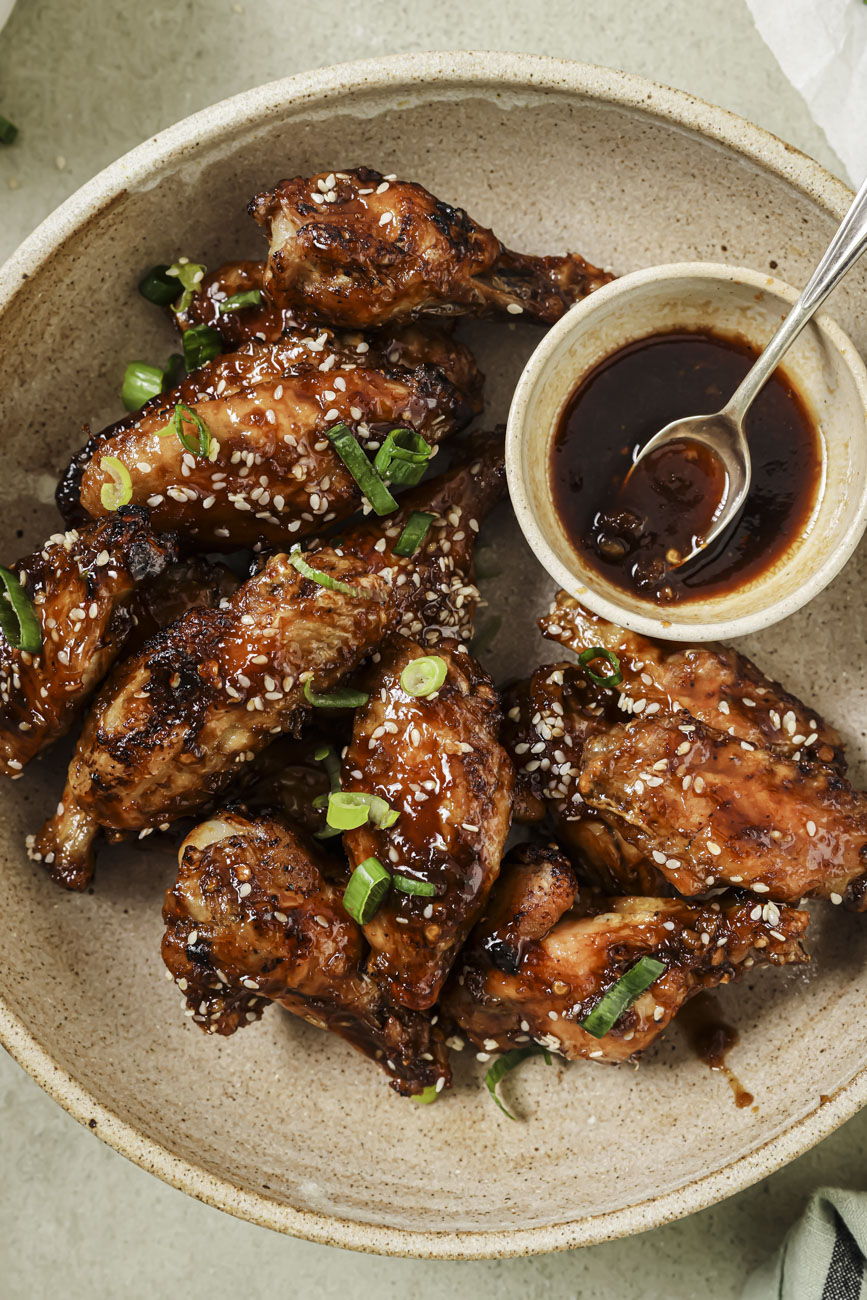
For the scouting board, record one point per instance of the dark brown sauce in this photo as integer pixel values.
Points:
(627, 535)
(711, 1038)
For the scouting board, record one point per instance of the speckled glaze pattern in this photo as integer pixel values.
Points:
(281, 1124)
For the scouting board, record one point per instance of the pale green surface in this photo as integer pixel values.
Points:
(85, 80)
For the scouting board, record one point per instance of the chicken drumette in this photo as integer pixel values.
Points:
(254, 918)
(435, 760)
(545, 954)
(359, 249)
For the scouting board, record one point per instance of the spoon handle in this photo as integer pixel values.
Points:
(849, 242)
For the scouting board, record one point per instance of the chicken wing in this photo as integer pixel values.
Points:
(82, 587)
(192, 583)
(708, 809)
(252, 918)
(524, 979)
(360, 249)
(718, 686)
(435, 760)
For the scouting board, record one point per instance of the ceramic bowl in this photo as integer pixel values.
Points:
(281, 1123)
(825, 369)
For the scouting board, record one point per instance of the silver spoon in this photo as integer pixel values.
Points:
(723, 432)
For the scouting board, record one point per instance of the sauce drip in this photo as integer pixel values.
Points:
(633, 536)
(711, 1038)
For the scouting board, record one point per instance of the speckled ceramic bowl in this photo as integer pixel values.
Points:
(281, 1123)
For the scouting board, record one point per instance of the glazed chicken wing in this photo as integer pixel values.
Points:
(360, 249)
(253, 918)
(82, 586)
(435, 760)
(710, 809)
(543, 957)
(718, 686)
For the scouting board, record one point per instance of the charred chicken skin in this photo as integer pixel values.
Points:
(359, 249)
(545, 954)
(253, 918)
(82, 586)
(436, 761)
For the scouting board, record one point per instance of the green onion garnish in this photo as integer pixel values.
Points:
(414, 533)
(141, 382)
(407, 885)
(323, 579)
(403, 457)
(348, 809)
(424, 676)
(505, 1064)
(8, 131)
(174, 372)
(246, 298)
(621, 996)
(368, 886)
(351, 453)
(344, 698)
(201, 344)
(18, 620)
(429, 1094)
(158, 286)
(325, 754)
(119, 491)
(198, 444)
(190, 275)
(599, 652)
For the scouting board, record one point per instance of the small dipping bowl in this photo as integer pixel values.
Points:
(822, 365)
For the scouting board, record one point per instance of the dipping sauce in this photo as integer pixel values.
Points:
(631, 535)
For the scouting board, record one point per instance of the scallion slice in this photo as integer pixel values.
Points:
(344, 698)
(158, 286)
(403, 457)
(407, 885)
(174, 372)
(505, 1064)
(201, 344)
(323, 579)
(427, 1095)
(190, 275)
(351, 453)
(8, 130)
(119, 491)
(599, 652)
(424, 676)
(414, 533)
(18, 620)
(141, 382)
(246, 298)
(368, 886)
(621, 996)
(325, 754)
(197, 444)
(348, 809)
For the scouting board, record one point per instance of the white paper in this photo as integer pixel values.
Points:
(821, 45)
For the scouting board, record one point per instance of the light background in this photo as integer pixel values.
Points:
(85, 80)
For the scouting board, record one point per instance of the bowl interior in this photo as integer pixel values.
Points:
(281, 1122)
(824, 367)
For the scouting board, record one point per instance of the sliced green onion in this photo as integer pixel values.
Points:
(621, 996)
(158, 286)
(198, 444)
(246, 298)
(201, 344)
(325, 754)
(424, 676)
(348, 809)
(327, 833)
(414, 533)
(599, 652)
(174, 372)
(18, 620)
(190, 275)
(429, 1094)
(352, 454)
(344, 698)
(407, 885)
(403, 457)
(141, 382)
(8, 131)
(505, 1064)
(119, 491)
(368, 886)
(323, 579)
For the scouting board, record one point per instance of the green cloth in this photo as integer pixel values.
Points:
(823, 1255)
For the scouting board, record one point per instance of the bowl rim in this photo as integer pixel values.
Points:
(664, 622)
(464, 72)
